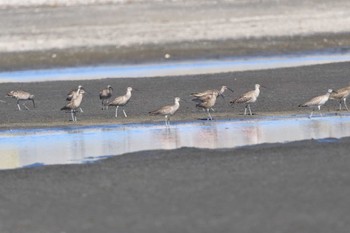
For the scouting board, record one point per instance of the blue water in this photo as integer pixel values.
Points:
(171, 68)
(40, 147)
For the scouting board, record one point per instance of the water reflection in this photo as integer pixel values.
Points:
(77, 145)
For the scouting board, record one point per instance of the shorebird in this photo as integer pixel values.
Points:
(208, 92)
(105, 95)
(206, 103)
(74, 104)
(74, 93)
(121, 101)
(167, 111)
(21, 96)
(317, 102)
(248, 98)
(341, 95)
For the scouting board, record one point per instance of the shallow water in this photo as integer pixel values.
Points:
(171, 68)
(34, 147)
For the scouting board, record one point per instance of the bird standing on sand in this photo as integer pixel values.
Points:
(167, 111)
(21, 96)
(105, 95)
(74, 103)
(121, 101)
(317, 102)
(248, 98)
(74, 93)
(207, 103)
(208, 92)
(341, 95)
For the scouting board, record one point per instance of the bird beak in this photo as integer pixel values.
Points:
(230, 89)
(135, 89)
(263, 86)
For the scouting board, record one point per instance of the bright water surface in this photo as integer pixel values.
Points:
(21, 148)
(171, 68)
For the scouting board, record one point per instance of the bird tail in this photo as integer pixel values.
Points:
(195, 94)
(152, 113)
(197, 100)
(302, 105)
(65, 108)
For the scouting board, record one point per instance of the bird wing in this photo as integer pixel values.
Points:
(103, 93)
(204, 93)
(340, 93)
(245, 98)
(68, 106)
(242, 99)
(71, 94)
(203, 98)
(318, 100)
(118, 101)
(162, 111)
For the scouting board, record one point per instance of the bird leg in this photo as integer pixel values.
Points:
(319, 110)
(210, 118)
(72, 114)
(116, 112)
(312, 112)
(125, 113)
(33, 103)
(250, 111)
(167, 121)
(24, 104)
(345, 104)
(19, 108)
(103, 105)
(339, 109)
(245, 110)
(81, 110)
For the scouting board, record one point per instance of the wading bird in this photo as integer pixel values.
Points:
(74, 103)
(105, 95)
(74, 93)
(207, 103)
(121, 101)
(317, 102)
(341, 95)
(208, 92)
(167, 111)
(248, 98)
(21, 96)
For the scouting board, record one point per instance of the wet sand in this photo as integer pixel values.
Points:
(300, 186)
(286, 89)
(294, 187)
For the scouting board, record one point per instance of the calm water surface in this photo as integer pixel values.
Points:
(173, 68)
(21, 148)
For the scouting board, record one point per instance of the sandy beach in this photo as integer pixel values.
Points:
(291, 187)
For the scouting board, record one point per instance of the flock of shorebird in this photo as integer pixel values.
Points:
(204, 100)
